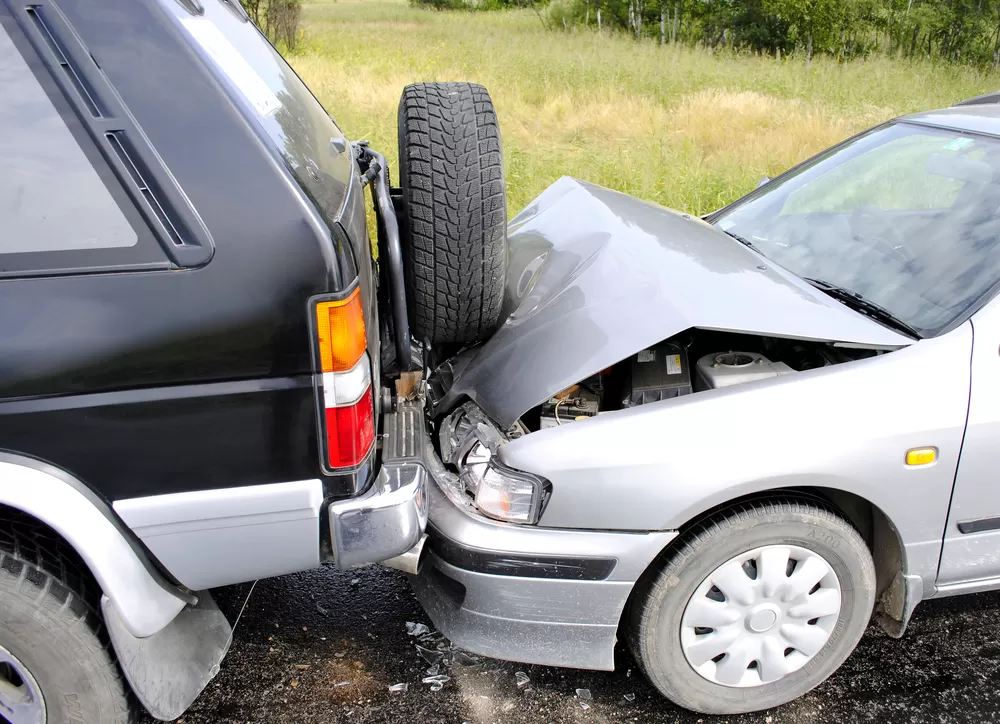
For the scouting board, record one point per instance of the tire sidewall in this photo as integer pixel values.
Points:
(667, 665)
(66, 660)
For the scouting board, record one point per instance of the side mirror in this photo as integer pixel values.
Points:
(763, 180)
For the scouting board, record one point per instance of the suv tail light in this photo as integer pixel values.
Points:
(347, 420)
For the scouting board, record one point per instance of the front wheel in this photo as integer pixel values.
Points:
(755, 608)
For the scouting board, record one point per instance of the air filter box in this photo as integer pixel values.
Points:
(658, 373)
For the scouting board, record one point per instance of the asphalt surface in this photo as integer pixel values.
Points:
(325, 646)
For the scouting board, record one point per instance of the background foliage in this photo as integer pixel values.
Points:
(956, 30)
(681, 124)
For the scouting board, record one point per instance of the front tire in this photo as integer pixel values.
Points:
(55, 662)
(756, 606)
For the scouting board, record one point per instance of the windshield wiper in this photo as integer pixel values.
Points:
(859, 304)
(743, 240)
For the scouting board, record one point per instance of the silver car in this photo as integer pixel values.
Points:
(736, 438)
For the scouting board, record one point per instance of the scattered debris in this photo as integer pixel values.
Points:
(416, 629)
(465, 659)
(522, 679)
(355, 581)
(429, 655)
(396, 688)
(584, 697)
(340, 654)
(321, 609)
(434, 670)
(358, 665)
(302, 667)
(294, 683)
(305, 628)
(342, 683)
(631, 697)
(437, 682)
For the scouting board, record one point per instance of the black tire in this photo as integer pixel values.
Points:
(454, 211)
(654, 625)
(51, 626)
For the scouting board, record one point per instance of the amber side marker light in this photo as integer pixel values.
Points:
(341, 329)
(921, 456)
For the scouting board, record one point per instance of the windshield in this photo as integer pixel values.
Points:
(906, 216)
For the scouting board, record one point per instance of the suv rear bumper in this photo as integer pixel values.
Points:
(390, 518)
(525, 593)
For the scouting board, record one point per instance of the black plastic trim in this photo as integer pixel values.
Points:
(205, 390)
(499, 563)
(979, 525)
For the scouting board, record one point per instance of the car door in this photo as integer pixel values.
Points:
(971, 550)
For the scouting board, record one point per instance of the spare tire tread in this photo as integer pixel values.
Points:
(451, 173)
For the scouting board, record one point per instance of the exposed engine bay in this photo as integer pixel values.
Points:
(689, 363)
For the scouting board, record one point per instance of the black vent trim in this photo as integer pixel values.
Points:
(78, 80)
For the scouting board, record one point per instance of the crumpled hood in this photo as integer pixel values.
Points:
(594, 276)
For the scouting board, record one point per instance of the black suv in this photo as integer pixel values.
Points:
(208, 372)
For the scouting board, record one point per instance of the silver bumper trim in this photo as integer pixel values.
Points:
(540, 620)
(389, 519)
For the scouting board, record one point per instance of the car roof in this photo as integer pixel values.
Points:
(975, 115)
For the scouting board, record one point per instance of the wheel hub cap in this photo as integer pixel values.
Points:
(761, 616)
(21, 699)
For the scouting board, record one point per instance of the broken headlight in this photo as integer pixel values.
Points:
(499, 491)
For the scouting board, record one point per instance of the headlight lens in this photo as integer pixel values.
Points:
(502, 492)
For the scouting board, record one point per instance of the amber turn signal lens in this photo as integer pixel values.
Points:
(921, 456)
(341, 332)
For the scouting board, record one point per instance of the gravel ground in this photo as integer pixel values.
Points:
(325, 646)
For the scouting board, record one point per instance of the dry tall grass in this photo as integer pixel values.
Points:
(685, 128)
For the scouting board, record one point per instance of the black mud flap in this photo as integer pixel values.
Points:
(169, 669)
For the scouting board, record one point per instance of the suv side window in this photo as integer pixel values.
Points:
(81, 190)
(51, 198)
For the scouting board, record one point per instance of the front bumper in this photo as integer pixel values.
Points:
(523, 593)
(390, 518)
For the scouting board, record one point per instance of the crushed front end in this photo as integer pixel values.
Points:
(497, 582)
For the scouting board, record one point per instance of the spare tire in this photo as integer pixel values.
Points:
(454, 211)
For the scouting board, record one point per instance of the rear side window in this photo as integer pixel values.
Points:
(81, 188)
(51, 197)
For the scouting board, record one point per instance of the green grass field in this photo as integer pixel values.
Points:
(683, 127)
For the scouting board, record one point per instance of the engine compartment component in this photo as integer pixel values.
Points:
(573, 403)
(660, 372)
(690, 363)
(736, 368)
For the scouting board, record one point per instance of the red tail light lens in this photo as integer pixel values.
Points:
(350, 432)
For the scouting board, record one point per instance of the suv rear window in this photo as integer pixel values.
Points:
(51, 197)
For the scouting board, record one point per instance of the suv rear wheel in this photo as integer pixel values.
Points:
(55, 662)
(454, 211)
